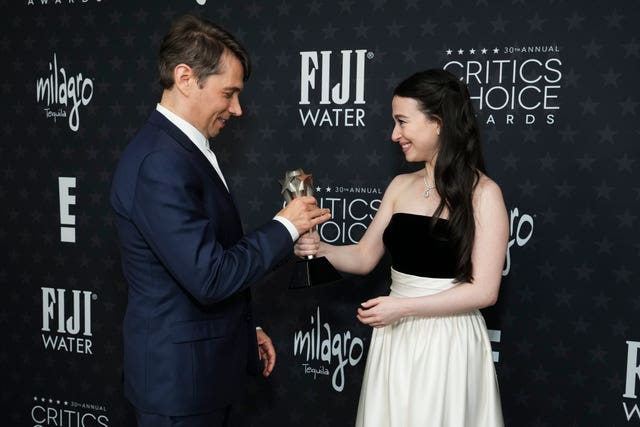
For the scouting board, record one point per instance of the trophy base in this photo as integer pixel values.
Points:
(313, 272)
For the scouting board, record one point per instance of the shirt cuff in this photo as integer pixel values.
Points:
(289, 226)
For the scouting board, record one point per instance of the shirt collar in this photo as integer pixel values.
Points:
(187, 128)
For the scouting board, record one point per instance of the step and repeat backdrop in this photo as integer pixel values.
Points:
(555, 86)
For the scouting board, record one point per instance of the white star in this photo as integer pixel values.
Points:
(460, 51)
(496, 50)
(318, 189)
(472, 51)
(449, 51)
(328, 189)
(483, 50)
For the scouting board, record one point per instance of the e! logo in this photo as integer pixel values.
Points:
(67, 221)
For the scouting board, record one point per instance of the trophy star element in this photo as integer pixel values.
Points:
(296, 183)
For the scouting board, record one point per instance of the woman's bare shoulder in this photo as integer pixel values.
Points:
(487, 194)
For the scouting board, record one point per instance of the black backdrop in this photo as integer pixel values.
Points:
(555, 85)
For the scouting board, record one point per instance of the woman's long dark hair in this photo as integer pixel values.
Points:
(442, 96)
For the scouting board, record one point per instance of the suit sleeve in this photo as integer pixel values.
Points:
(168, 210)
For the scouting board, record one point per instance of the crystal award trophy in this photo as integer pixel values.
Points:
(312, 270)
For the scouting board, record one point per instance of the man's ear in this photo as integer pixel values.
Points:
(184, 79)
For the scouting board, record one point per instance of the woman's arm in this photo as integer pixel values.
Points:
(488, 255)
(363, 256)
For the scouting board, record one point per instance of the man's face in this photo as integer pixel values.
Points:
(218, 100)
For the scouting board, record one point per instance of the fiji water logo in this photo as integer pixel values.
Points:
(331, 88)
(323, 351)
(63, 94)
(66, 320)
(630, 404)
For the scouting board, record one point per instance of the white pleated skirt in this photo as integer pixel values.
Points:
(429, 371)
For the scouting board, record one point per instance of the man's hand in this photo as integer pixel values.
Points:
(266, 351)
(304, 213)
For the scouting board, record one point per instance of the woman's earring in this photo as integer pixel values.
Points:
(438, 132)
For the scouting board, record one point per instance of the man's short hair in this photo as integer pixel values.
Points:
(200, 44)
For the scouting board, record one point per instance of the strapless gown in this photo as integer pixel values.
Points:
(427, 371)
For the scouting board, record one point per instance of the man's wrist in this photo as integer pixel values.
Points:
(289, 226)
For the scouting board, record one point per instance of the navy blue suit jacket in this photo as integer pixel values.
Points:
(189, 337)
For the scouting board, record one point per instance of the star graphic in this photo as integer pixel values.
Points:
(499, 25)
(614, 19)
(462, 26)
(428, 27)
(592, 49)
(574, 21)
(628, 106)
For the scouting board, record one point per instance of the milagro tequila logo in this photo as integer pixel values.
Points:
(630, 404)
(50, 412)
(63, 94)
(66, 320)
(324, 350)
(520, 232)
(512, 84)
(330, 94)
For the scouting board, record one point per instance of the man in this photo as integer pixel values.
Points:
(189, 337)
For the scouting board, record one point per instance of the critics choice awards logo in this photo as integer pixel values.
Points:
(324, 350)
(511, 85)
(66, 320)
(49, 412)
(63, 94)
(352, 209)
(332, 87)
(60, 2)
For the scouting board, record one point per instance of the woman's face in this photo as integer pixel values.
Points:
(417, 134)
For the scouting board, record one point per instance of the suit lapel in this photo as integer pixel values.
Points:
(183, 140)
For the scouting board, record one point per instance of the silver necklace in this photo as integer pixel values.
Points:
(427, 190)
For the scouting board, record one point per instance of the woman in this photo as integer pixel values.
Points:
(446, 228)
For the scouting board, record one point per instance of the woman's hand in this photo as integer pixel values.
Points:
(307, 244)
(381, 311)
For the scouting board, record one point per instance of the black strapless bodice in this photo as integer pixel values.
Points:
(419, 248)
